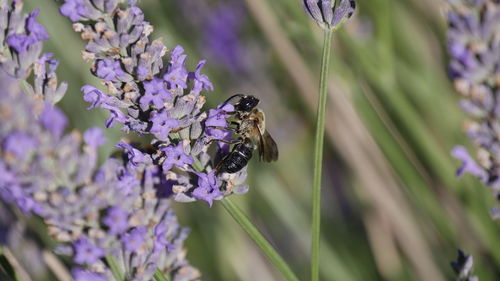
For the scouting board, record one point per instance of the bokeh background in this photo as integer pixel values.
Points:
(392, 207)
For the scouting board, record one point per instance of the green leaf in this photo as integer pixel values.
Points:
(260, 240)
(115, 269)
(7, 271)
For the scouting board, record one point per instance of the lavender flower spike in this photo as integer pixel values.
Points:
(21, 40)
(463, 267)
(116, 210)
(329, 14)
(474, 48)
(149, 91)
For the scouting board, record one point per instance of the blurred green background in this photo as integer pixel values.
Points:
(392, 208)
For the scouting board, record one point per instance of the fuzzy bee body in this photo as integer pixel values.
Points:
(250, 126)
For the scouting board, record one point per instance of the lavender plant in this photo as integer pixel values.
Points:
(463, 267)
(163, 102)
(150, 98)
(114, 220)
(474, 48)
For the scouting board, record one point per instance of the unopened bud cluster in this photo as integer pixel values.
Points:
(330, 14)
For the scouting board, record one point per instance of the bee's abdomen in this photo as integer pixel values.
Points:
(235, 163)
(236, 160)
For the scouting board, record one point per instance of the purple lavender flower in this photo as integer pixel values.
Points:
(329, 14)
(48, 173)
(163, 124)
(54, 120)
(94, 96)
(469, 165)
(201, 81)
(86, 252)
(116, 220)
(475, 66)
(19, 144)
(161, 242)
(152, 96)
(75, 10)
(156, 93)
(108, 69)
(135, 156)
(220, 24)
(80, 274)
(21, 40)
(463, 267)
(217, 118)
(35, 33)
(113, 209)
(45, 82)
(94, 137)
(175, 155)
(36, 30)
(221, 34)
(115, 114)
(134, 239)
(208, 188)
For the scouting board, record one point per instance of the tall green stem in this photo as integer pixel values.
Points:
(318, 156)
(115, 269)
(260, 240)
(159, 276)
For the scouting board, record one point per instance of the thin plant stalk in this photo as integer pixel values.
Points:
(159, 276)
(260, 240)
(318, 155)
(115, 269)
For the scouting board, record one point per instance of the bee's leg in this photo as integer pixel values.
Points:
(225, 141)
(176, 130)
(228, 112)
(223, 185)
(219, 165)
(237, 124)
(223, 128)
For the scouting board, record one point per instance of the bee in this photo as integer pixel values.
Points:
(249, 124)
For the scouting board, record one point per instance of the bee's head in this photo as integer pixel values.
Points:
(246, 103)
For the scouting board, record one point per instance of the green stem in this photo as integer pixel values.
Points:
(7, 270)
(159, 276)
(260, 240)
(318, 156)
(115, 269)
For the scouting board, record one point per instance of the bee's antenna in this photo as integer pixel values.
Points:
(232, 97)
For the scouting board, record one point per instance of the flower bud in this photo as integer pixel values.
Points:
(329, 14)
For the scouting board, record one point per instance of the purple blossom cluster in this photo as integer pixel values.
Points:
(221, 30)
(463, 267)
(220, 24)
(118, 210)
(20, 52)
(474, 48)
(149, 90)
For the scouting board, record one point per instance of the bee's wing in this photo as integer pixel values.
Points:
(268, 150)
